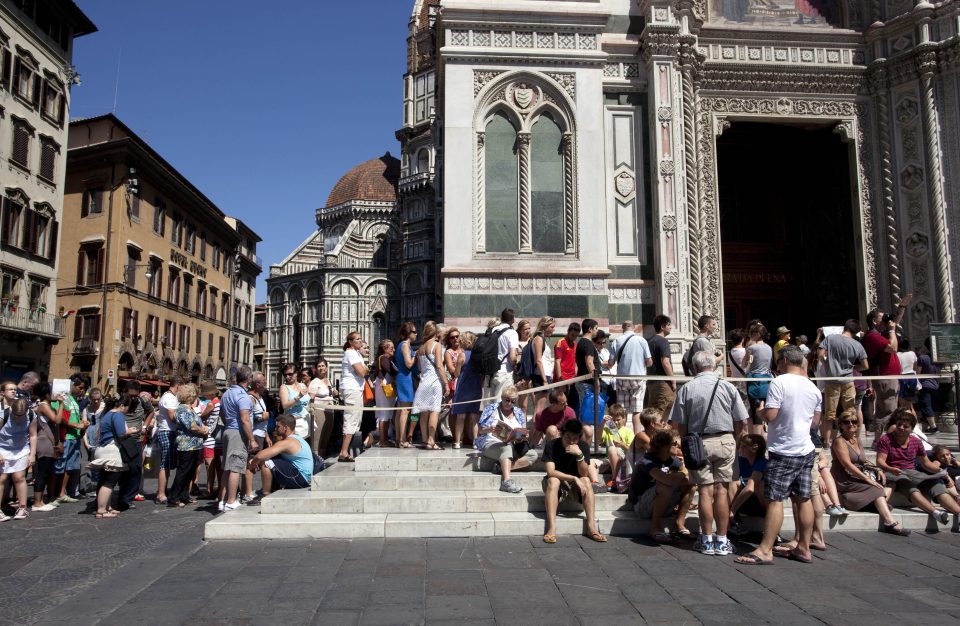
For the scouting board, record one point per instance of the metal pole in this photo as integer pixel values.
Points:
(956, 399)
(596, 410)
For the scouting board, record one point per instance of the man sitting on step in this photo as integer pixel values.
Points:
(288, 463)
(567, 460)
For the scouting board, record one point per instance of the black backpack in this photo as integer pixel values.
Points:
(485, 350)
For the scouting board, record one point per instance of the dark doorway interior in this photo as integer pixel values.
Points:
(786, 226)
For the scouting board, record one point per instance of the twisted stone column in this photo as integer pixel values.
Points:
(891, 228)
(569, 196)
(927, 64)
(480, 198)
(523, 143)
(695, 237)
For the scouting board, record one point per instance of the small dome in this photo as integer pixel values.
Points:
(374, 180)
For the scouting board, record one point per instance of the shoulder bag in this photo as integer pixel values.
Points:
(694, 453)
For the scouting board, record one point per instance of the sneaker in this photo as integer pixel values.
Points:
(46, 507)
(932, 430)
(139, 497)
(245, 499)
(723, 548)
(942, 517)
(834, 511)
(599, 488)
(510, 487)
(253, 501)
(231, 507)
(67, 500)
(4, 517)
(705, 545)
(220, 505)
(21, 513)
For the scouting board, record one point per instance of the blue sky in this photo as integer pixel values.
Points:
(262, 105)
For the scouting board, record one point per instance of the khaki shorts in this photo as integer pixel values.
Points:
(815, 479)
(844, 394)
(721, 453)
(234, 452)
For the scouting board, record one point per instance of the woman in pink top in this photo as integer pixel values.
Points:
(901, 456)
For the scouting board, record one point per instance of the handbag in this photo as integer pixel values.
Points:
(389, 390)
(129, 449)
(758, 390)
(691, 445)
(368, 396)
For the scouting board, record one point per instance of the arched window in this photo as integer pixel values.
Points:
(501, 185)
(546, 185)
(423, 161)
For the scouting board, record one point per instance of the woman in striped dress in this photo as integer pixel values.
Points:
(433, 386)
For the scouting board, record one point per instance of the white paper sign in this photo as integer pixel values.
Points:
(61, 387)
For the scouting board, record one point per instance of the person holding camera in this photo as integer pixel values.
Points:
(881, 344)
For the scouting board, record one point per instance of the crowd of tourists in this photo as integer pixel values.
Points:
(231, 433)
(731, 450)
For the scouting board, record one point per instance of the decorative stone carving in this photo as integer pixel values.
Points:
(910, 144)
(911, 177)
(845, 130)
(671, 279)
(920, 283)
(667, 167)
(721, 124)
(664, 114)
(567, 82)
(915, 210)
(669, 224)
(918, 244)
(482, 77)
(523, 96)
(907, 110)
(625, 184)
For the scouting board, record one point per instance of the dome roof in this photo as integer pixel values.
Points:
(374, 180)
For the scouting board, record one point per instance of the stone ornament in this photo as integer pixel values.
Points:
(625, 184)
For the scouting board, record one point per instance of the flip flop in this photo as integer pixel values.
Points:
(818, 547)
(752, 559)
(793, 556)
(662, 538)
(345, 459)
(549, 539)
(783, 551)
(108, 514)
(596, 536)
(681, 534)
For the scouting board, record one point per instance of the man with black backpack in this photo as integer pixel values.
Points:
(501, 340)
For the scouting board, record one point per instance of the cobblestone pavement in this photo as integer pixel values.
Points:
(150, 566)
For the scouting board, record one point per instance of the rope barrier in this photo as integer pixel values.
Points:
(947, 376)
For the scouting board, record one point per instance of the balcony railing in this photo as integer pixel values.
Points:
(415, 182)
(34, 322)
(86, 346)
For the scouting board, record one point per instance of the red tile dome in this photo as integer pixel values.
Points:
(374, 180)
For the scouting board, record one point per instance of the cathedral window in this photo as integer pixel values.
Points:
(502, 185)
(423, 99)
(546, 185)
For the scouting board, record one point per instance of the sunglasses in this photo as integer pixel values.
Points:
(849, 422)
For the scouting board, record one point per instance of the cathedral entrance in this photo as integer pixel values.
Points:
(786, 224)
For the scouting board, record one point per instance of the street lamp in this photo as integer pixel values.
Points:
(128, 270)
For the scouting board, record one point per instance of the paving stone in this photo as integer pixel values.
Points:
(391, 616)
(456, 608)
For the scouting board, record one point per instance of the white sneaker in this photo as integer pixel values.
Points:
(723, 547)
(231, 507)
(21, 513)
(46, 507)
(220, 506)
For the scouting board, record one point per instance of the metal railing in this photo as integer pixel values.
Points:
(31, 321)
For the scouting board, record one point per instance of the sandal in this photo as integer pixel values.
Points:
(159, 501)
(433, 447)
(595, 536)
(549, 539)
(405, 444)
(894, 529)
(108, 514)
(345, 459)
(681, 533)
(752, 559)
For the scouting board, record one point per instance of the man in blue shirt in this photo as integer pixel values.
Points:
(631, 354)
(235, 409)
(288, 463)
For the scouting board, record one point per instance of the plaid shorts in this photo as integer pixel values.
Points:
(630, 394)
(789, 476)
(166, 444)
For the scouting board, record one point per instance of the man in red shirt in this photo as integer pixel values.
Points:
(565, 355)
(881, 346)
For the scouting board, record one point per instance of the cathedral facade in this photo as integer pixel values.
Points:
(792, 160)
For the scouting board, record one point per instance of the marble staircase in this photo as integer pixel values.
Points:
(449, 493)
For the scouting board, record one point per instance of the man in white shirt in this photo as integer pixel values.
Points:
(793, 407)
(631, 354)
(508, 352)
(166, 436)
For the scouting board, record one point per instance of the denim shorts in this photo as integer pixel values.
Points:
(69, 461)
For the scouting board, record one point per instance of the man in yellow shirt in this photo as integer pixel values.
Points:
(783, 340)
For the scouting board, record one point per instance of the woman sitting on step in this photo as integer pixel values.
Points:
(859, 482)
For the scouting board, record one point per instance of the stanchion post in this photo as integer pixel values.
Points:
(596, 410)
(956, 399)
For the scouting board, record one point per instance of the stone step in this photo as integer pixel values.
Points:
(456, 501)
(402, 460)
(420, 481)
(252, 523)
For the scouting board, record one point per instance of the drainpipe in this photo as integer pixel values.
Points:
(106, 274)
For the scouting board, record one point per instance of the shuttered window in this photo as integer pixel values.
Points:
(20, 151)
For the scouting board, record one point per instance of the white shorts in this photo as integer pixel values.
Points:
(352, 410)
(15, 462)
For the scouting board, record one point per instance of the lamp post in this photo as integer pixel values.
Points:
(128, 270)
